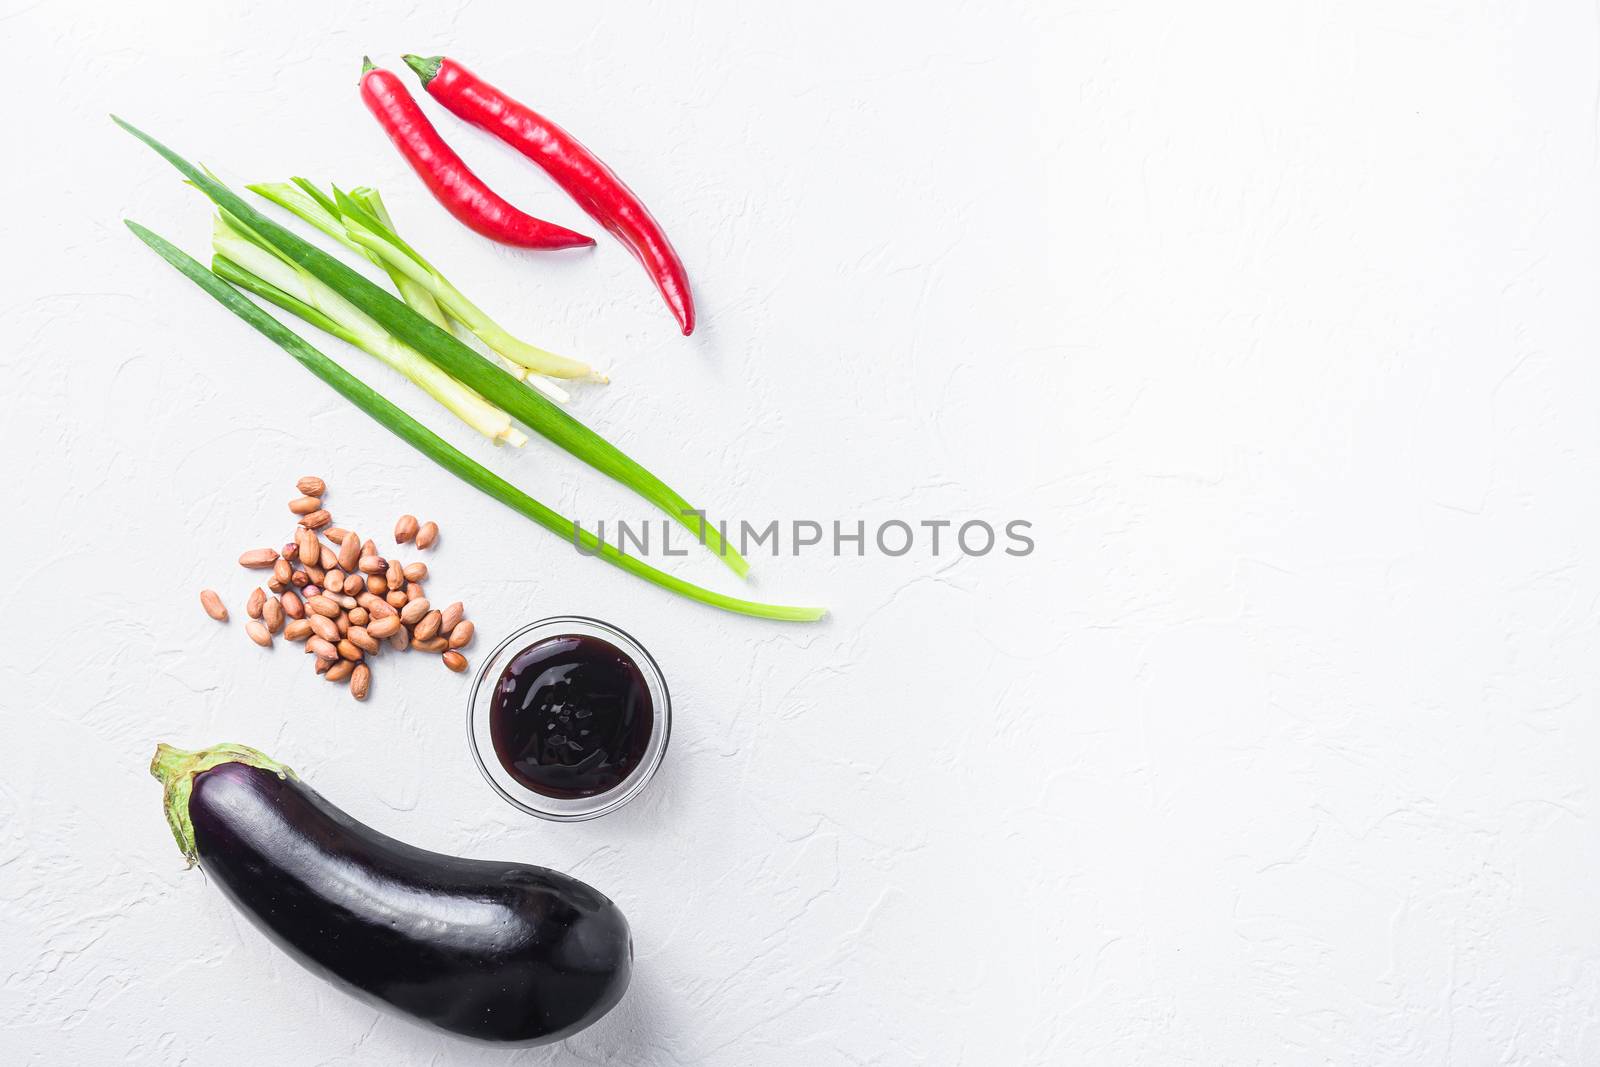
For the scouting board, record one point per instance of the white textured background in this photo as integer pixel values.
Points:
(1278, 320)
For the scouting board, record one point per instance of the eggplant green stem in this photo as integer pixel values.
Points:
(176, 769)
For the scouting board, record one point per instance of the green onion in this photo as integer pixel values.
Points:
(308, 202)
(371, 234)
(303, 199)
(357, 220)
(413, 293)
(258, 269)
(452, 356)
(441, 451)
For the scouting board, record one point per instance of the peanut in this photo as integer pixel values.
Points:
(377, 606)
(213, 605)
(324, 605)
(427, 627)
(349, 551)
(350, 599)
(384, 627)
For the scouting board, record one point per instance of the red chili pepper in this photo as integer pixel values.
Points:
(450, 180)
(587, 180)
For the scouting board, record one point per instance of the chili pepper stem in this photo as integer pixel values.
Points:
(426, 68)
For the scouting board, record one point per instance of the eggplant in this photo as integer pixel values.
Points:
(501, 952)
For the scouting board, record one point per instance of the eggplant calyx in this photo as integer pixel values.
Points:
(175, 769)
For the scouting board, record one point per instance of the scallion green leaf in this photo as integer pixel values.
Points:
(293, 288)
(415, 294)
(450, 355)
(410, 291)
(441, 451)
(372, 234)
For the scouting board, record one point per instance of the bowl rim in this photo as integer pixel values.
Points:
(479, 742)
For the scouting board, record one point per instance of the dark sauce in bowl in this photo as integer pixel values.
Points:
(571, 716)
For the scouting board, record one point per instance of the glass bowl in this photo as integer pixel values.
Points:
(482, 745)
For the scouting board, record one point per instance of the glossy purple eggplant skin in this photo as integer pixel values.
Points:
(501, 952)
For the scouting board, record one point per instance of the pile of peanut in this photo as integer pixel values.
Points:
(343, 599)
